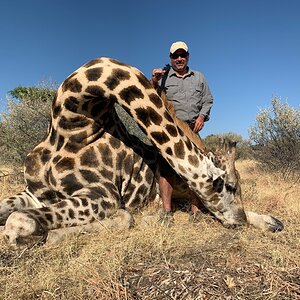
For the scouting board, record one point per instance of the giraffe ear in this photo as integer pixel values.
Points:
(212, 171)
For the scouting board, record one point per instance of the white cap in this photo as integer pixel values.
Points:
(178, 45)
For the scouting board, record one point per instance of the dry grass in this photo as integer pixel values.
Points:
(203, 261)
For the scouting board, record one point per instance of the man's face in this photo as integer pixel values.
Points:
(179, 60)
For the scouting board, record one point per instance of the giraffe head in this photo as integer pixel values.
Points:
(227, 204)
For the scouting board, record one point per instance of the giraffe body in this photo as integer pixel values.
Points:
(89, 168)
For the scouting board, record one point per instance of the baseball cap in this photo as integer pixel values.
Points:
(178, 45)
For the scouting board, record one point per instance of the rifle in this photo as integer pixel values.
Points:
(165, 76)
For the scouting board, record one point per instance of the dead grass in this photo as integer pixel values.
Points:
(203, 261)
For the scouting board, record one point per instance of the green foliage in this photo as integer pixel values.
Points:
(25, 123)
(130, 124)
(244, 150)
(276, 136)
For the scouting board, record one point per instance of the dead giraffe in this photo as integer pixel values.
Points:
(88, 168)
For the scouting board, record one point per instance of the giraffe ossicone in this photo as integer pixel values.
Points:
(89, 170)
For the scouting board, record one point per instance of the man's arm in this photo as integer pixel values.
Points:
(207, 101)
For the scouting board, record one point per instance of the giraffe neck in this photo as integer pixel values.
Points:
(89, 92)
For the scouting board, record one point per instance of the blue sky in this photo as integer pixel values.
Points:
(249, 51)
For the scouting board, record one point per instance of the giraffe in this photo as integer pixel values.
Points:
(89, 169)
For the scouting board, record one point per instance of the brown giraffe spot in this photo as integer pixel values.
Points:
(193, 160)
(156, 100)
(45, 156)
(120, 158)
(66, 163)
(49, 217)
(35, 185)
(89, 158)
(93, 62)
(149, 116)
(95, 91)
(106, 155)
(71, 103)
(93, 74)
(182, 169)
(75, 203)
(84, 202)
(116, 77)
(131, 93)
(116, 62)
(55, 111)
(73, 123)
(169, 151)
(60, 142)
(194, 184)
(72, 85)
(106, 205)
(160, 137)
(95, 208)
(181, 133)
(58, 217)
(168, 117)
(112, 190)
(101, 215)
(71, 184)
(148, 176)
(51, 178)
(97, 192)
(189, 145)
(71, 213)
(179, 150)
(220, 207)
(195, 176)
(115, 143)
(72, 147)
(52, 136)
(79, 137)
(144, 81)
(60, 195)
(172, 130)
(89, 176)
(107, 174)
(61, 204)
(128, 162)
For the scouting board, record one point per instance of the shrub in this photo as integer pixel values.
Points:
(25, 123)
(244, 150)
(276, 136)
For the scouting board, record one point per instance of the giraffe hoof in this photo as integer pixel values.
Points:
(19, 227)
(275, 225)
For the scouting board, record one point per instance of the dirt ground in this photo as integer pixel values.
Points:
(184, 261)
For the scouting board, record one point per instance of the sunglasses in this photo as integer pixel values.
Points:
(182, 55)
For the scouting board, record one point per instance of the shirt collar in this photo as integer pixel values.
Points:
(189, 73)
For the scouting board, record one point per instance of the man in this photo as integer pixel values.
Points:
(189, 92)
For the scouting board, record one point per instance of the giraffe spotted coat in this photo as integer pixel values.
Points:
(90, 169)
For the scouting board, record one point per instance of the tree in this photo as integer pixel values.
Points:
(276, 136)
(26, 122)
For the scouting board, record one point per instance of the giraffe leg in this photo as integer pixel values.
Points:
(122, 219)
(73, 212)
(19, 225)
(20, 201)
(264, 222)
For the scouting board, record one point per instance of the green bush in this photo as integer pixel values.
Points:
(276, 136)
(25, 123)
(244, 150)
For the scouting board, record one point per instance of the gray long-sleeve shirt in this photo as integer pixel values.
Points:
(190, 95)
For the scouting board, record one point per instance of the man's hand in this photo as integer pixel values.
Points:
(199, 124)
(156, 76)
